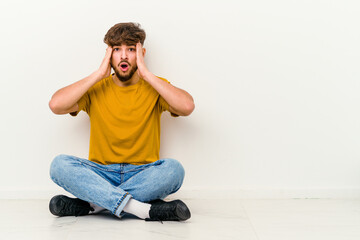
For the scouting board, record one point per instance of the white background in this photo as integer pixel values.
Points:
(276, 87)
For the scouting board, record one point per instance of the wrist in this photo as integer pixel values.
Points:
(97, 75)
(147, 75)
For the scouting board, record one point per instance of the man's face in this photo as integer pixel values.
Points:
(123, 61)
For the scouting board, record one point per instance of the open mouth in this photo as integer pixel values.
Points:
(124, 66)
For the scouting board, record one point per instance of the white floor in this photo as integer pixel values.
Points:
(305, 219)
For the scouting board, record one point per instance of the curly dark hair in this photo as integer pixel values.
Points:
(125, 33)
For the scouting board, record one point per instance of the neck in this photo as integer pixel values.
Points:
(133, 80)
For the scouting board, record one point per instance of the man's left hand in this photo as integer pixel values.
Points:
(142, 69)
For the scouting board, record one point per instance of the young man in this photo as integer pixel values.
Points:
(123, 173)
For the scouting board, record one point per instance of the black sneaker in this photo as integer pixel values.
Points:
(61, 205)
(168, 211)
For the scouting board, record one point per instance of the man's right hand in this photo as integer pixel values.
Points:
(105, 67)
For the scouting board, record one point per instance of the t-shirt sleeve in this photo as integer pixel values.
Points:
(164, 106)
(84, 104)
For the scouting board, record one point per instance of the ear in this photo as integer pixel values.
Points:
(144, 51)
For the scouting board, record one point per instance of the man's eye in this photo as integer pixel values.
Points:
(132, 49)
(116, 49)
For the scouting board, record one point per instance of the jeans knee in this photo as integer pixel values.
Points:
(176, 171)
(57, 166)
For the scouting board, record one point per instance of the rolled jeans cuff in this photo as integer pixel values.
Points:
(122, 202)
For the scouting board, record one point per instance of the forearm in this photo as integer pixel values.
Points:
(67, 97)
(179, 100)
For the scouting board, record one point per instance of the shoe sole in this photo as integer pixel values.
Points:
(182, 211)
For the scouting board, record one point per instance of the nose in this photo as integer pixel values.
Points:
(123, 54)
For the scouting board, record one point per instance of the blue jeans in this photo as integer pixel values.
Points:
(111, 186)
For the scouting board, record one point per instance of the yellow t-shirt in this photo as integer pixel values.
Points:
(124, 122)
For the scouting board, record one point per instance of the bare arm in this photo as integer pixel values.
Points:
(65, 100)
(180, 102)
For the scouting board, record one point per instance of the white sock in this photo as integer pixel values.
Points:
(96, 208)
(139, 209)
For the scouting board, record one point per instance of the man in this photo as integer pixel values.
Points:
(123, 173)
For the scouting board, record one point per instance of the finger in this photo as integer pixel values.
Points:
(138, 49)
(109, 50)
(108, 54)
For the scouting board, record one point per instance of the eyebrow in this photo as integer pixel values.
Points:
(117, 46)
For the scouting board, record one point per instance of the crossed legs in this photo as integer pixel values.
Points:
(112, 186)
